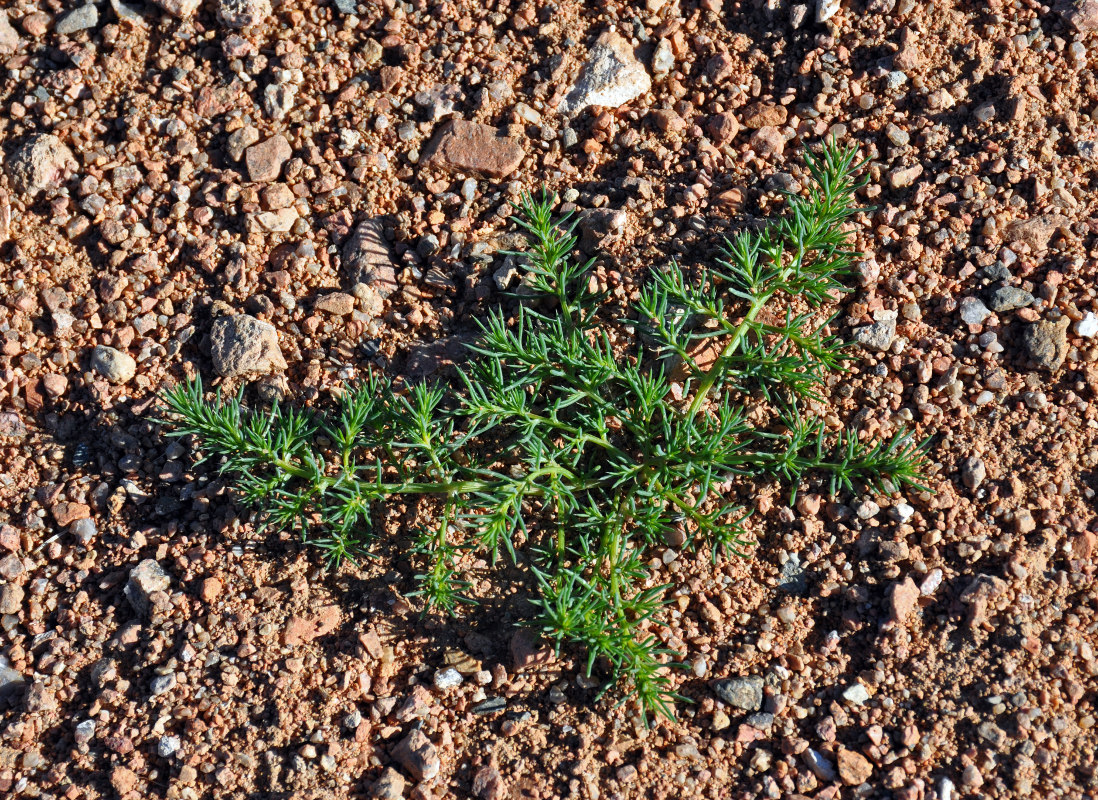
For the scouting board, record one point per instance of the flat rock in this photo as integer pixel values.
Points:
(1046, 342)
(759, 114)
(854, 768)
(744, 693)
(338, 304)
(417, 754)
(244, 345)
(265, 159)
(112, 364)
(1035, 232)
(145, 579)
(463, 146)
(79, 19)
(368, 260)
(42, 163)
(611, 77)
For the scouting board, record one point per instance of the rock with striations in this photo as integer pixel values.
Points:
(243, 345)
(611, 77)
(41, 164)
(368, 260)
(463, 146)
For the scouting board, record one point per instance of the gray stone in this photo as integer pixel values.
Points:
(880, 334)
(1008, 298)
(1046, 343)
(346, 6)
(11, 680)
(447, 678)
(611, 77)
(79, 19)
(744, 693)
(85, 731)
(168, 746)
(179, 8)
(84, 530)
(973, 472)
(973, 311)
(793, 578)
(243, 345)
(162, 684)
(146, 578)
(367, 259)
(112, 364)
(823, 769)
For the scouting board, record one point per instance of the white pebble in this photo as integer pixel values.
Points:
(1087, 326)
(856, 694)
(447, 678)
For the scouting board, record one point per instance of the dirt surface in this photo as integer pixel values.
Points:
(166, 168)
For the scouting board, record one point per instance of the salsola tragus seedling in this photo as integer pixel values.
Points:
(585, 444)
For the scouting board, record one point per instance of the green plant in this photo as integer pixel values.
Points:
(584, 442)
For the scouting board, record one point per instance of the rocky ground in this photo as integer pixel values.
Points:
(301, 191)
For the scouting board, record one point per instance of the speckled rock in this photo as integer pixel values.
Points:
(242, 13)
(611, 77)
(114, 365)
(244, 345)
(42, 163)
(1046, 343)
(745, 693)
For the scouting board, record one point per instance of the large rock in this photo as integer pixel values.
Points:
(265, 160)
(146, 578)
(880, 335)
(179, 8)
(417, 755)
(611, 77)
(244, 345)
(463, 146)
(744, 693)
(9, 37)
(1035, 232)
(114, 365)
(1082, 14)
(367, 259)
(1046, 342)
(42, 163)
